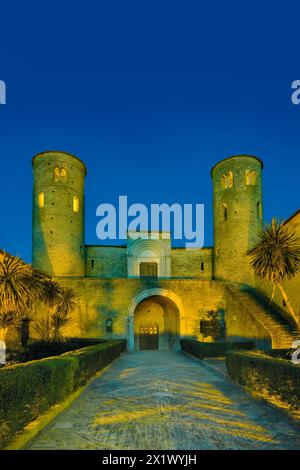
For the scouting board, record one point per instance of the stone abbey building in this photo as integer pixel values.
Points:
(147, 291)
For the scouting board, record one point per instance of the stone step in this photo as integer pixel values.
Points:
(281, 332)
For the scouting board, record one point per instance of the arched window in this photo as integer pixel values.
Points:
(225, 211)
(63, 175)
(75, 204)
(251, 177)
(41, 200)
(60, 174)
(109, 325)
(227, 180)
(230, 179)
(56, 173)
(224, 181)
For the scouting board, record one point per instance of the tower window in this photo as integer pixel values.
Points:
(75, 204)
(251, 177)
(202, 266)
(259, 210)
(60, 174)
(225, 211)
(92, 263)
(227, 180)
(41, 200)
(109, 325)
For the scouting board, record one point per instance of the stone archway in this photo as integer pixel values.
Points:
(160, 311)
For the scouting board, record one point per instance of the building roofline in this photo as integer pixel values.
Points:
(236, 156)
(60, 152)
(292, 216)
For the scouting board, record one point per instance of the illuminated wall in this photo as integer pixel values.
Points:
(237, 186)
(58, 214)
(106, 278)
(100, 299)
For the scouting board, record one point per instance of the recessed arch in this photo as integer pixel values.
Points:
(147, 294)
(152, 251)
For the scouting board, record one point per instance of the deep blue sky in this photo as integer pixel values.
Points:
(150, 95)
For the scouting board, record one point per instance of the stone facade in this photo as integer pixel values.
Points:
(148, 285)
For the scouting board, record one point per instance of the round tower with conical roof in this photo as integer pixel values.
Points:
(58, 214)
(238, 215)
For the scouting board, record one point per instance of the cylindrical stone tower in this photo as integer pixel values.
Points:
(58, 214)
(237, 186)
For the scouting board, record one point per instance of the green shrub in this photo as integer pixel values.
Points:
(273, 378)
(205, 350)
(41, 349)
(30, 389)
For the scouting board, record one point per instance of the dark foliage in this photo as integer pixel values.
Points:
(29, 390)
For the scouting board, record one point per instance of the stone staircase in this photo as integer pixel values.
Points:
(282, 333)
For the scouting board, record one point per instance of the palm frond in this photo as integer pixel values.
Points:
(277, 255)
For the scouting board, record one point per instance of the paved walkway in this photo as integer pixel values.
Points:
(162, 401)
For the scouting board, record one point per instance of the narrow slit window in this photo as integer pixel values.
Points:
(259, 210)
(41, 200)
(92, 263)
(75, 204)
(225, 211)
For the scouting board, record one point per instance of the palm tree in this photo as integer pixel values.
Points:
(61, 302)
(19, 288)
(7, 319)
(276, 258)
(51, 296)
(68, 300)
(60, 319)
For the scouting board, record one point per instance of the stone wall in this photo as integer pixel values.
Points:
(106, 261)
(192, 262)
(100, 299)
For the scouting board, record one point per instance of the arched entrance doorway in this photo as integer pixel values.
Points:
(154, 321)
(156, 324)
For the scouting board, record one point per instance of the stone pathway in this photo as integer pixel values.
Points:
(155, 400)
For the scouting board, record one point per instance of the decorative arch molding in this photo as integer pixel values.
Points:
(145, 294)
(138, 246)
(154, 251)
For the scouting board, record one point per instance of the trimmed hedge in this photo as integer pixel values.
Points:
(273, 378)
(39, 349)
(205, 350)
(28, 390)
